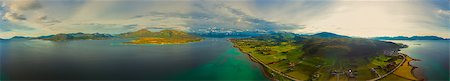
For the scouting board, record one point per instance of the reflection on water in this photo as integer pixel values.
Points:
(434, 56)
(111, 60)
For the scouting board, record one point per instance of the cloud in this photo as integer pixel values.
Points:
(21, 11)
(14, 17)
(16, 9)
(350, 17)
(23, 5)
(380, 18)
(118, 16)
(217, 14)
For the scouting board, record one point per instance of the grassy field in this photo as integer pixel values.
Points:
(393, 78)
(405, 70)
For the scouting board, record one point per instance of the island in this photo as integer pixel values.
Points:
(145, 36)
(326, 57)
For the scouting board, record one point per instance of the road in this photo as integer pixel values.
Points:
(392, 71)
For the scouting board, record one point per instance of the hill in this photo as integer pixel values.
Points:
(19, 37)
(160, 34)
(145, 36)
(328, 35)
(76, 36)
(136, 34)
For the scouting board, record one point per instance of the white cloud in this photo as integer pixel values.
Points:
(349, 17)
(378, 18)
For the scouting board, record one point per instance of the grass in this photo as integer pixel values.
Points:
(266, 59)
(299, 75)
(405, 70)
(365, 73)
(281, 66)
(380, 60)
(393, 78)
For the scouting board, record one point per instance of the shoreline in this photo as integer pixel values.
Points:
(411, 75)
(262, 68)
(265, 67)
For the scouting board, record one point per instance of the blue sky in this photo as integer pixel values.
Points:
(362, 18)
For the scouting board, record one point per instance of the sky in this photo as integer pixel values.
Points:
(359, 18)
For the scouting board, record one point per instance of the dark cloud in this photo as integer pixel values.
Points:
(206, 15)
(223, 16)
(14, 16)
(31, 6)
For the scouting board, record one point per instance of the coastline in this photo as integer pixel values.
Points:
(261, 68)
(404, 71)
(407, 70)
(266, 69)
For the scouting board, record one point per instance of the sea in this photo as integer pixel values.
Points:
(211, 59)
(433, 58)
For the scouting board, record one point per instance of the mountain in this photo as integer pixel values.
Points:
(426, 38)
(76, 36)
(227, 32)
(19, 37)
(139, 33)
(410, 38)
(160, 34)
(328, 35)
(144, 36)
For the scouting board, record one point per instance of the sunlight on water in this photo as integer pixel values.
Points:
(433, 55)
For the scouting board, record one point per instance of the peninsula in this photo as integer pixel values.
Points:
(145, 36)
(324, 57)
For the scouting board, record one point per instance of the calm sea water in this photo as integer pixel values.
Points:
(434, 56)
(212, 59)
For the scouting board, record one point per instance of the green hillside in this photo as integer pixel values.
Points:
(76, 36)
(145, 36)
(308, 57)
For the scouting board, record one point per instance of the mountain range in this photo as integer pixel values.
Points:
(160, 34)
(411, 38)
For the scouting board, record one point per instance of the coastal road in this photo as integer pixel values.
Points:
(392, 71)
(278, 72)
